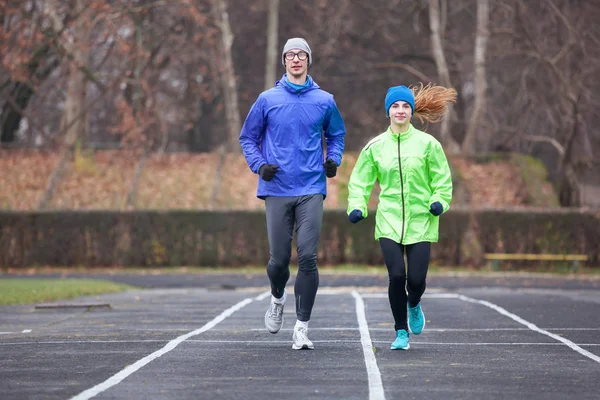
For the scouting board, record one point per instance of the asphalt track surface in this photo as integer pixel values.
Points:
(202, 337)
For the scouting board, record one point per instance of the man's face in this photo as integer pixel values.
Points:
(400, 113)
(295, 66)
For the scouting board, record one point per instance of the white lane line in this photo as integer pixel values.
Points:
(279, 342)
(13, 333)
(436, 329)
(425, 296)
(263, 296)
(54, 342)
(384, 341)
(572, 329)
(531, 326)
(115, 379)
(312, 329)
(375, 385)
(487, 344)
(284, 342)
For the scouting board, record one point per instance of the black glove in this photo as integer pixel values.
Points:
(355, 216)
(436, 208)
(330, 168)
(268, 171)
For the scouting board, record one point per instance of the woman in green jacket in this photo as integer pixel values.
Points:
(416, 188)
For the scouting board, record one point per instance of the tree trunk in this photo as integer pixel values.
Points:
(570, 189)
(75, 119)
(11, 116)
(228, 80)
(38, 68)
(272, 60)
(570, 192)
(481, 37)
(446, 138)
(74, 122)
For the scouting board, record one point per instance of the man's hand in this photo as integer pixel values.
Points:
(268, 171)
(330, 168)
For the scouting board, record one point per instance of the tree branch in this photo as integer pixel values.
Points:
(552, 141)
(406, 67)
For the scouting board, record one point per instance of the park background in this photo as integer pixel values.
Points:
(120, 119)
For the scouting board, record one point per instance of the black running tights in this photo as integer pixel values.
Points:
(405, 286)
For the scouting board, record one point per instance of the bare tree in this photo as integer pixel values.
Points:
(437, 46)
(74, 122)
(554, 84)
(228, 79)
(228, 83)
(272, 30)
(474, 132)
(28, 59)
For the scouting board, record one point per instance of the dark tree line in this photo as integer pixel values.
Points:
(181, 75)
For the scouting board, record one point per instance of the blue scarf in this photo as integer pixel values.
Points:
(297, 87)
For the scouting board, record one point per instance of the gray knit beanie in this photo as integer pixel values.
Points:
(296, 43)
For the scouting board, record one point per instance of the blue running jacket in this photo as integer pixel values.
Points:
(285, 128)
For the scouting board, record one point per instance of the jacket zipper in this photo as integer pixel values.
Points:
(401, 188)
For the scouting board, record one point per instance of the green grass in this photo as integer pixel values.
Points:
(28, 291)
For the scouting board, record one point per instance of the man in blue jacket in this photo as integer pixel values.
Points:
(282, 142)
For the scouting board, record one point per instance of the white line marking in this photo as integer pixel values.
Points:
(531, 326)
(284, 342)
(572, 329)
(115, 379)
(383, 341)
(486, 344)
(12, 333)
(428, 329)
(263, 296)
(434, 329)
(425, 296)
(53, 342)
(279, 342)
(375, 385)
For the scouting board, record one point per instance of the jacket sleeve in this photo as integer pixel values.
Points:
(335, 132)
(440, 177)
(362, 179)
(252, 135)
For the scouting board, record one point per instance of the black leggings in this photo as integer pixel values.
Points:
(417, 257)
(306, 212)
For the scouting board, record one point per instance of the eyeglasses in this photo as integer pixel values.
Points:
(301, 55)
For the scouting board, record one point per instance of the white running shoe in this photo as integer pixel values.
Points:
(301, 341)
(274, 317)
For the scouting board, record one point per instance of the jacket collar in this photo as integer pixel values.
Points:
(283, 82)
(402, 135)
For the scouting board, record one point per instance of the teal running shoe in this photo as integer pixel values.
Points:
(401, 342)
(416, 319)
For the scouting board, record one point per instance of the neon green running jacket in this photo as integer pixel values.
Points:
(413, 173)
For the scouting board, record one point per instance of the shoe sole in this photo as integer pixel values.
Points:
(270, 331)
(401, 348)
(304, 347)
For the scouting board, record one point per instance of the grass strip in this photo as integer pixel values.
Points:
(15, 291)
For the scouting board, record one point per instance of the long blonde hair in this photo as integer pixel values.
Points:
(431, 101)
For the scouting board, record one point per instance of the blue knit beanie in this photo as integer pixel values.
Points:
(397, 93)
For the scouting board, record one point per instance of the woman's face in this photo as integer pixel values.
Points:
(400, 113)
